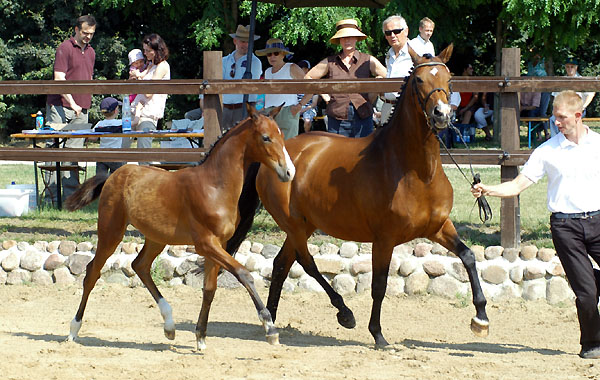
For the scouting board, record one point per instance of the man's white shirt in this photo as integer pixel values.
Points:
(421, 47)
(397, 67)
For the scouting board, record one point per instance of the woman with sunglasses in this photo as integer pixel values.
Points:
(288, 117)
(348, 114)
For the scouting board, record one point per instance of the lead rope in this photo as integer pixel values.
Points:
(485, 211)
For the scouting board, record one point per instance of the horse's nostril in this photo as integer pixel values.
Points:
(437, 112)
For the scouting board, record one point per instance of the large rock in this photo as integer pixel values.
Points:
(348, 249)
(511, 254)
(459, 272)
(267, 270)
(118, 278)
(556, 269)
(479, 252)
(529, 252)
(395, 286)
(55, 260)
(365, 249)
(53, 246)
(494, 274)
(85, 246)
(408, 266)
(403, 250)
(3, 276)
(269, 251)
(11, 261)
(364, 281)
(41, 277)
(516, 274)
(228, 281)
(313, 249)
(434, 268)
(196, 281)
(546, 254)
(493, 252)
(77, 262)
(62, 276)
(127, 268)
(446, 286)
(255, 262)
(416, 283)
(329, 263)
(343, 284)
(558, 291)
(394, 265)
(67, 247)
(423, 249)
(176, 251)
(8, 244)
(360, 264)
(185, 267)
(256, 248)
(23, 246)
(32, 260)
(533, 272)
(18, 277)
(309, 283)
(165, 267)
(244, 247)
(296, 271)
(439, 249)
(329, 249)
(534, 289)
(41, 245)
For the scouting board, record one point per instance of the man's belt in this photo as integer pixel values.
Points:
(576, 215)
(235, 106)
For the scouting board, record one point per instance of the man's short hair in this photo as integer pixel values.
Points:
(88, 19)
(398, 18)
(425, 20)
(569, 99)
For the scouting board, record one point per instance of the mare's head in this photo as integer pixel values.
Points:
(430, 80)
(266, 144)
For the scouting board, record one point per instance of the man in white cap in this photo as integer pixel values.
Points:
(397, 60)
(234, 66)
(421, 44)
(349, 115)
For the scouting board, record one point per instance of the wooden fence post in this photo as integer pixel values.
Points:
(510, 218)
(213, 106)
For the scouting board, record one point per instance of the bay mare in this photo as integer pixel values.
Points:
(387, 188)
(196, 205)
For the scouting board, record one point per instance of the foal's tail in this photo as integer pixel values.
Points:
(86, 193)
(247, 205)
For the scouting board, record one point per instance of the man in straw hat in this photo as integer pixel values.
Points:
(234, 66)
(348, 114)
(287, 118)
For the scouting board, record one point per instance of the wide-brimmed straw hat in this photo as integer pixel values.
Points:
(273, 45)
(347, 28)
(242, 33)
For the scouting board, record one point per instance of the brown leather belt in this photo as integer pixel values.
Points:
(236, 106)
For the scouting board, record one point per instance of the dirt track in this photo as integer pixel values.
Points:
(122, 338)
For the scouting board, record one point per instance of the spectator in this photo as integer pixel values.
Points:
(485, 112)
(536, 67)
(196, 113)
(234, 66)
(74, 60)
(469, 102)
(149, 108)
(571, 70)
(397, 60)
(348, 114)
(421, 44)
(309, 111)
(288, 117)
(110, 110)
(570, 160)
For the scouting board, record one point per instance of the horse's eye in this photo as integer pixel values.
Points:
(419, 80)
(266, 138)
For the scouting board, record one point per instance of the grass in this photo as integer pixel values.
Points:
(50, 224)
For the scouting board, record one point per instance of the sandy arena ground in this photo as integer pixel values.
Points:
(122, 338)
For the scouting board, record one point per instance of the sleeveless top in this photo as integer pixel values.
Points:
(155, 107)
(359, 68)
(275, 100)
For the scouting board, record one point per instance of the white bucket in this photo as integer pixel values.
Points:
(14, 202)
(32, 194)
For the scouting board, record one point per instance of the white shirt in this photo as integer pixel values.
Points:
(275, 100)
(397, 67)
(238, 67)
(421, 47)
(573, 172)
(110, 142)
(455, 99)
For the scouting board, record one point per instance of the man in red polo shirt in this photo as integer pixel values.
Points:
(74, 60)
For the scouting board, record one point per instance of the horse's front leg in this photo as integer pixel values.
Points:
(382, 255)
(448, 237)
(211, 271)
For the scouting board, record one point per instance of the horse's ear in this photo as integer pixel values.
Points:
(413, 54)
(445, 55)
(276, 110)
(252, 112)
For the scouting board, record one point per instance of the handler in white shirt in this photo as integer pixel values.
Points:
(397, 60)
(421, 44)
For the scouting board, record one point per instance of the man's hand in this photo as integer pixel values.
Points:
(477, 190)
(76, 108)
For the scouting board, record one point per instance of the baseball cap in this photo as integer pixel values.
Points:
(109, 104)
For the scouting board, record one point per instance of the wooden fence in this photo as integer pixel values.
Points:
(509, 156)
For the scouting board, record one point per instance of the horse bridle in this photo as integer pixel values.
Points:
(423, 102)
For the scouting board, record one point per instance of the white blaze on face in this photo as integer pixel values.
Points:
(444, 108)
(290, 165)
(434, 71)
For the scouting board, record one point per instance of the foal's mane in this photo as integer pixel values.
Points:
(221, 138)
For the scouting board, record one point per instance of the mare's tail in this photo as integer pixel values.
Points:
(86, 193)
(248, 204)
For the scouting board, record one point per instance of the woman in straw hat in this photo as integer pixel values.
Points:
(348, 114)
(288, 117)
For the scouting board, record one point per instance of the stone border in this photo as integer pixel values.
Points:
(529, 273)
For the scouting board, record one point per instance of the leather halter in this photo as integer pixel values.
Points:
(423, 102)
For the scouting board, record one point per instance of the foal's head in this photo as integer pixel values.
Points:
(431, 81)
(266, 144)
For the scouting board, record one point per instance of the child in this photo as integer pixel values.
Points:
(110, 110)
(137, 67)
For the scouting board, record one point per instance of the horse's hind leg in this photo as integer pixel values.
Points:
(142, 266)
(108, 240)
(211, 271)
(448, 237)
(281, 267)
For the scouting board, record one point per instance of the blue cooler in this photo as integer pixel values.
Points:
(466, 130)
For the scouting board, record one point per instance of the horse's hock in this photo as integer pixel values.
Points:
(530, 273)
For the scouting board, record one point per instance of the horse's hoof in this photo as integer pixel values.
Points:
(480, 328)
(273, 339)
(70, 338)
(346, 319)
(170, 334)
(201, 345)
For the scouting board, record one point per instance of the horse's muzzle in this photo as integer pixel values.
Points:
(286, 170)
(442, 114)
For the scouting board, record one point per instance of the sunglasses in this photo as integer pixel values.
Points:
(395, 31)
(232, 72)
(276, 53)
